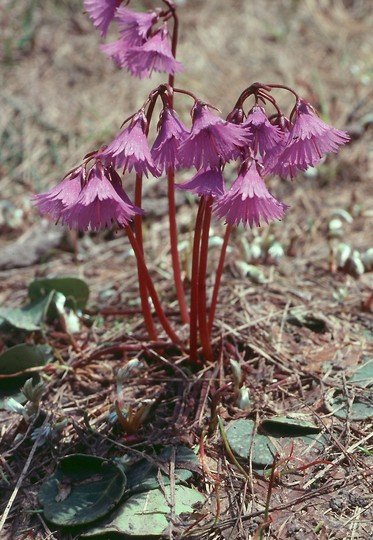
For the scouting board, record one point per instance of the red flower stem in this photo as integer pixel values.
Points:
(202, 304)
(174, 247)
(218, 276)
(175, 38)
(193, 325)
(150, 286)
(143, 290)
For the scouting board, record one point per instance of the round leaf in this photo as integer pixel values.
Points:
(28, 317)
(147, 514)
(73, 288)
(15, 360)
(83, 488)
(289, 425)
(240, 435)
(143, 476)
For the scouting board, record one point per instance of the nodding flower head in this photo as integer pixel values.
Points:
(248, 201)
(135, 26)
(130, 149)
(205, 182)
(266, 136)
(101, 12)
(57, 199)
(134, 29)
(101, 203)
(171, 134)
(308, 140)
(154, 54)
(212, 140)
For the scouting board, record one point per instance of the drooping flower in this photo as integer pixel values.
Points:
(102, 202)
(135, 26)
(134, 29)
(209, 182)
(101, 13)
(130, 149)
(248, 200)
(309, 139)
(172, 133)
(266, 136)
(154, 54)
(212, 140)
(56, 200)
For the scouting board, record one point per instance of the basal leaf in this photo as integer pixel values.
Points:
(271, 439)
(15, 360)
(83, 489)
(289, 425)
(75, 290)
(28, 317)
(240, 438)
(143, 476)
(147, 514)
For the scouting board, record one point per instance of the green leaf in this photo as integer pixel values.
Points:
(83, 488)
(28, 317)
(361, 408)
(23, 356)
(281, 426)
(18, 359)
(275, 437)
(143, 475)
(363, 376)
(147, 514)
(75, 290)
(240, 436)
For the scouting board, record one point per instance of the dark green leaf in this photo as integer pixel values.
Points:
(361, 408)
(28, 317)
(143, 475)
(363, 376)
(269, 440)
(83, 488)
(281, 426)
(147, 514)
(240, 436)
(75, 290)
(18, 359)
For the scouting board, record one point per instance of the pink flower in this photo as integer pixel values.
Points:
(55, 201)
(101, 203)
(171, 133)
(153, 55)
(308, 140)
(130, 149)
(248, 200)
(266, 136)
(101, 12)
(134, 28)
(210, 182)
(116, 51)
(212, 140)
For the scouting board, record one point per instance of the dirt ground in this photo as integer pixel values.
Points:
(60, 98)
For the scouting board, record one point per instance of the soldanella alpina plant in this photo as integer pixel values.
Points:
(256, 135)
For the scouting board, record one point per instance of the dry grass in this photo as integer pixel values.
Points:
(59, 99)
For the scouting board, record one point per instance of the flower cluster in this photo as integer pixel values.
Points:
(259, 139)
(260, 143)
(144, 45)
